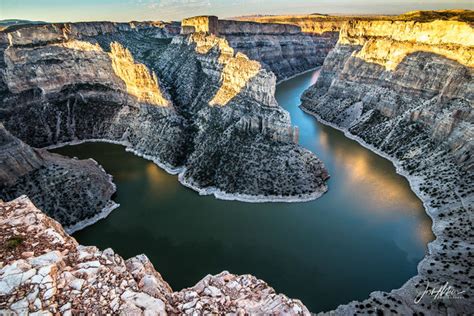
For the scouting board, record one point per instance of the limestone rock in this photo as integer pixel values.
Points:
(284, 47)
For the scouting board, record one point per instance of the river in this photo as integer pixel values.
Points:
(367, 233)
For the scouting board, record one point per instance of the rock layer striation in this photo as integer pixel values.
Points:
(285, 49)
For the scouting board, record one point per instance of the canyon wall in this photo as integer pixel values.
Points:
(284, 48)
(405, 90)
(191, 104)
(42, 269)
(236, 122)
(199, 104)
(71, 191)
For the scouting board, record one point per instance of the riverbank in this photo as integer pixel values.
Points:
(409, 292)
(217, 193)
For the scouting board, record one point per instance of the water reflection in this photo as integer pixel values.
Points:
(158, 181)
(368, 178)
(364, 178)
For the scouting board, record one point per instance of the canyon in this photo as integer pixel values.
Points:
(283, 48)
(201, 104)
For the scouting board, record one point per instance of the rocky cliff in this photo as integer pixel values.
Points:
(74, 192)
(235, 121)
(404, 89)
(284, 48)
(42, 269)
(191, 104)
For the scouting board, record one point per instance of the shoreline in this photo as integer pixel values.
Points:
(298, 74)
(108, 208)
(179, 172)
(222, 195)
(413, 181)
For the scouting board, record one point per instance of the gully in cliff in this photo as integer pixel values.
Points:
(198, 99)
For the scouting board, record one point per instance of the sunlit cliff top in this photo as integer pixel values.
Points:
(420, 16)
(428, 16)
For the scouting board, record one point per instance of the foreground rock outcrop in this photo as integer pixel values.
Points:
(404, 90)
(42, 269)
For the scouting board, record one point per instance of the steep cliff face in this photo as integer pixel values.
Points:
(423, 70)
(42, 269)
(404, 89)
(31, 34)
(74, 90)
(139, 81)
(284, 48)
(308, 24)
(71, 191)
(235, 122)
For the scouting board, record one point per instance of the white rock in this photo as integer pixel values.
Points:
(37, 304)
(46, 270)
(48, 258)
(36, 279)
(114, 305)
(12, 277)
(21, 307)
(57, 238)
(65, 307)
(109, 252)
(190, 295)
(190, 304)
(49, 293)
(32, 295)
(47, 279)
(144, 301)
(89, 264)
(40, 313)
(212, 291)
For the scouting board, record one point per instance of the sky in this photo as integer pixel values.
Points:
(166, 10)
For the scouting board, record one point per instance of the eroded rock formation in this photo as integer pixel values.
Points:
(404, 89)
(236, 122)
(42, 269)
(284, 48)
(139, 81)
(74, 192)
